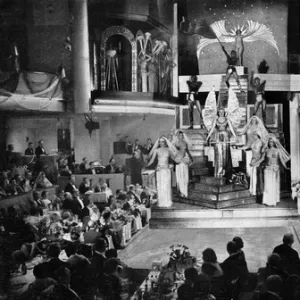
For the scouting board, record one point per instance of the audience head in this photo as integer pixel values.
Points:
(85, 160)
(10, 147)
(100, 245)
(231, 247)
(41, 143)
(190, 275)
(288, 239)
(86, 180)
(85, 250)
(239, 242)
(274, 260)
(111, 253)
(112, 161)
(54, 217)
(30, 145)
(71, 249)
(36, 195)
(97, 189)
(44, 194)
(209, 255)
(274, 284)
(72, 179)
(185, 292)
(68, 196)
(53, 250)
(76, 193)
(106, 216)
(38, 271)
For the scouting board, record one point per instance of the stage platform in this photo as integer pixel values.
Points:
(182, 215)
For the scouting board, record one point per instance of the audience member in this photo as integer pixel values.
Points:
(40, 150)
(203, 288)
(190, 275)
(42, 182)
(185, 292)
(44, 196)
(84, 186)
(210, 265)
(29, 150)
(61, 290)
(70, 186)
(112, 167)
(83, 167)
(289, 256)
(136, 169)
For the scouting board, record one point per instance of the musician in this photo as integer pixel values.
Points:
(29, 150)
(40, 150)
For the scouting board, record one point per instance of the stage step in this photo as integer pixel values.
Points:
(217, 188)
(206, 201)
(222, 223)
(199, 171)
(213, 180)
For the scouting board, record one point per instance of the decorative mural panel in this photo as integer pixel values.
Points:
(109, 32)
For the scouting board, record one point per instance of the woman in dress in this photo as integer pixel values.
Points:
(221, 129)
(163, 150)
(275, 156)
(182, 158)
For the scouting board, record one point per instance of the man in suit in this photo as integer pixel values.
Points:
(112, 167)
(71, 186)
(71, 203)
(29, 150)
(97, 263)
(234, 267)
(288, 255)
(40, 150)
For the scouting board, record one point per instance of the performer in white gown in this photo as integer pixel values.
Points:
(275, 156)
(183, 158)
(163, 150)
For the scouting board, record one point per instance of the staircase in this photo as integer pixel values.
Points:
(198, 139)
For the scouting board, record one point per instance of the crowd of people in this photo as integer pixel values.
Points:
(74, 224)
(278, 280)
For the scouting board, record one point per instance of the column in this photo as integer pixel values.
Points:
(295, 140)
(175, 51)
(80, 56)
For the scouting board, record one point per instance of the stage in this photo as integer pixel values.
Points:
(182, 215)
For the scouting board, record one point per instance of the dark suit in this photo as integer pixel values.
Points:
(83, 188)
(40, 151)
(289, 257)
(70, 187)
(109, 169)
(96, 270)
(29, 151)
(73, 205)
(49, 268)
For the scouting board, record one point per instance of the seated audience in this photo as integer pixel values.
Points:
(84, 186)
(27, 183)
(40, 150)
(37, 200)
(210, 265)
(39, 284)
(44, 196)
(70, 186)
(131, 192)
(106, 190)
(185, 292)
(203, 288)
(289, 256)
(29, 150)
(61, 290)
(148, 147)
(14, 188)
(83, 167)
(71, 203)
(112, 167)
(50, 267)
(190, 275)
(42, 182)
(115, 287)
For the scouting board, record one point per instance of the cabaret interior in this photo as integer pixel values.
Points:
(196, 101)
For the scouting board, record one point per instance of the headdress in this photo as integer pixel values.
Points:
(169, 144)
(283, 154)
(186, 139)
(259, 128)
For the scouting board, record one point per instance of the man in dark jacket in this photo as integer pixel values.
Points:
(40, 150)
(289, 256)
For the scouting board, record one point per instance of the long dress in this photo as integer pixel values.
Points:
(222, 161)
(271, 195)
(182, 168)
(163, 180)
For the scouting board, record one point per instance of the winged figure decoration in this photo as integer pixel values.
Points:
(250, 32)
(221, 124)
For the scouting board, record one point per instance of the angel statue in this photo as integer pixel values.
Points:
(220, 124)
(251, 32)
(163, 150)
